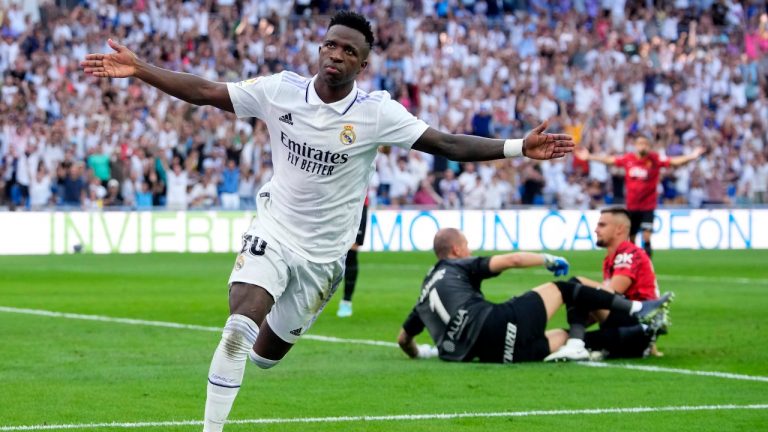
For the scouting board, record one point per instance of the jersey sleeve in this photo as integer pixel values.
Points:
(250, 98)
(662, 160)
(620, 161)
(480, 268)
(396, 126)
(413, 325)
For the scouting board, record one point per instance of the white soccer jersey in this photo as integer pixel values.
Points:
(322, 156)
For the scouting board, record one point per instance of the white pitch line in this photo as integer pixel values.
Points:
(131, 321)
(678, 371)
(402, 417)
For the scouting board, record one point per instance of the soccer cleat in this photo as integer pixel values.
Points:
(652, 308)
(345, 309)
(660, 323)
(573, 350)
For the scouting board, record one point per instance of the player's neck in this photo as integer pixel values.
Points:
(612, 248)
(330, 94)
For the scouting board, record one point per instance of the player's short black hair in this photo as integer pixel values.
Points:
(355, 21)
(616, 211)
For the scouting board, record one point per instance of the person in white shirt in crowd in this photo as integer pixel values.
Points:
(247, 187)
(177, 182)
(204, 194)
(404, 183)
(468, 177)
(475, 198)
(40, 188)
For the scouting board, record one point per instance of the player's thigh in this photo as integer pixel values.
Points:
(249, 300)
(310, 287)
(514, 331)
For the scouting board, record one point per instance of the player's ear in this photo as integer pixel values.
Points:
(363, 65)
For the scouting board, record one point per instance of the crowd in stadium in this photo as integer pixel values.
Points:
(683, 73)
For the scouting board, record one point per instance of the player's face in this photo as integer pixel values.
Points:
(343, 55)
(606, 227)
(642, 146)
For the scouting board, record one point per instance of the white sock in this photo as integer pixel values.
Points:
(636, 306)
(227, 368)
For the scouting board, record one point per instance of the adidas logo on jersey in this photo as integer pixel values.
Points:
(286, 119)
(296, 332)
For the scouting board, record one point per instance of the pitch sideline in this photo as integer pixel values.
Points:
(131, 321)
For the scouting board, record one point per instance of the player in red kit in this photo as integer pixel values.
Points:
(642, 172)
(628, 271)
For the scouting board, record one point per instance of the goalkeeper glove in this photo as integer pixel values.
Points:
(426, 351)
(555, 264)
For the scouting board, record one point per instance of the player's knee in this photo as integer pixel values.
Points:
(568, 289)
(239, 334)
(263, 363)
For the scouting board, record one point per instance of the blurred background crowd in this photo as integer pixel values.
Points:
(684, 73)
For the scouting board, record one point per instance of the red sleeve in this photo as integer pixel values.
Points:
(661, 161)
(620, 161)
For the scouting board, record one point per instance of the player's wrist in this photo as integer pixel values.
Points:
(513, 148)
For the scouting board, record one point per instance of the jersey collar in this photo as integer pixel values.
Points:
(341, 106)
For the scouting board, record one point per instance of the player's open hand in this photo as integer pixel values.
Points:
(557, 265)
(542, 146)
(120, 64)
(698, 151)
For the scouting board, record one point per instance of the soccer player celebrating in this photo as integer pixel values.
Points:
(464, 326)
(324, 134)
(627, 271)
(641, 177)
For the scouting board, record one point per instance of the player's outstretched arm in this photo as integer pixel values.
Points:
(682, 160)
(557, 265)
(583, 153)
(463, 148)
(190, 88)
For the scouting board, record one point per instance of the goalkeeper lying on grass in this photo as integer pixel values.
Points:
(465, 326)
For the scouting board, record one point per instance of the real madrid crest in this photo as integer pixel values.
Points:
(347, 136)
(239, 263)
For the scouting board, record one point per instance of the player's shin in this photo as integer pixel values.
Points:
(587, 298)
(227, 368)
(577, 322)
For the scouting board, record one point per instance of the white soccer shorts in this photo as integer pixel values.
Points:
(301, 288)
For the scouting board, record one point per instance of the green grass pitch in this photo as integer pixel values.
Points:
(62, 371)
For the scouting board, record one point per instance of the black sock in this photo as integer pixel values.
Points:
(588, 298)
(577, 321)
(350, 274)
